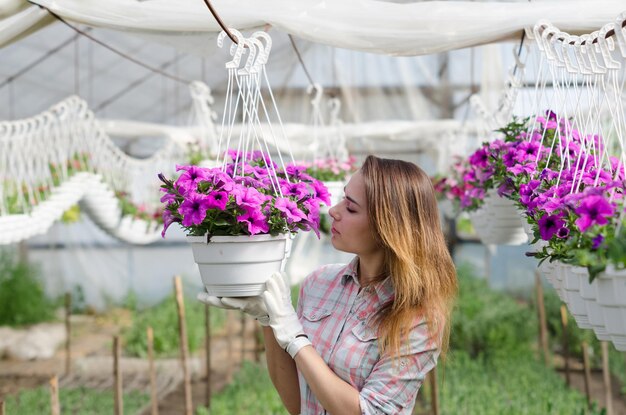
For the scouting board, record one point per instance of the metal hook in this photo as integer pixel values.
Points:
(318, 93)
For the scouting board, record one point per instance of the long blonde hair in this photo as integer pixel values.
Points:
(404, 218)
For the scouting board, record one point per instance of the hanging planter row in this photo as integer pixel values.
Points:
(240, 215)
(599, 305)
(96, 199)
(547, 183)
(497, 221)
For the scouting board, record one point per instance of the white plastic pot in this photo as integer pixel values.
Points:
(336, 192)
(589, 293)
(572, 277)
(612, 299)
(238, 266)
(498, 221)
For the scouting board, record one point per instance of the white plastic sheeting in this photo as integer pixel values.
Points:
(21, 24)
(366, 25)
(96, 199)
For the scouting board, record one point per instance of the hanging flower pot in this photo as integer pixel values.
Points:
(575, 303)
(238, 266)
(558, 279)
(335, 189)
(244, 211)
(479, 223)
(589, 293)
(503, 221)
(612, 299)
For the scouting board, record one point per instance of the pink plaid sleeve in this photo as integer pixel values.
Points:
(392, 386)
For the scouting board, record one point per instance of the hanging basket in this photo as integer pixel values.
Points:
(238, 266)
(572, 277)
(589, 293)
(504, 223)
(498, 221)
(335, 188)
(612, 299)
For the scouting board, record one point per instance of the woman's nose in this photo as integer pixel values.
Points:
(333, 212)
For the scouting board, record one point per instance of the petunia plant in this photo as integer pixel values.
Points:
(330, 169)
(570, 197)
(250, 195)
(567, 185)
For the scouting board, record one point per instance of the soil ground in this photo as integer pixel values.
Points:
(92, 364)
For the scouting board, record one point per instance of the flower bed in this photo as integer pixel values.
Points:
(251, 195)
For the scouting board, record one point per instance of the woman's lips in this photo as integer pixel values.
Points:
(333, 230)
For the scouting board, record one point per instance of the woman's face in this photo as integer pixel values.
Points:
(350, 228)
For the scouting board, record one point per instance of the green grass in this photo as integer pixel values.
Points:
(163, 319)
(21, 293)
(251, 392)
(486, 322)
(81, 401)
(513, 385)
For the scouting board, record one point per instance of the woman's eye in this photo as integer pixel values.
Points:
(350, 210)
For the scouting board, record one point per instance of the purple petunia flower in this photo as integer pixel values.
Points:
(508, 158)
(168, 219)
(563, 232)
(193, 209)
(188, 181)
(299, 190)
(548, 174)
(527, 150)
(290, 210)
(593, 210)
(552, 204)
(248, 196)
(549, 225)
(597, 241)
(168, 198)
(255, 221)
(480, 158)
(506, 188)
(522, 168)
(217, 200)
(321, 192)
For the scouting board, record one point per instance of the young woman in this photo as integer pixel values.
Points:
(364, 334)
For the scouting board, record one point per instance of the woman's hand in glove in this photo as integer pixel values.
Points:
(253, 306)
(284, 321)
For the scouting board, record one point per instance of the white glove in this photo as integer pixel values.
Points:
(284, 321)
(253, 306)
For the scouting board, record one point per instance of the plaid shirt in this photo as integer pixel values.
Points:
(334, 315)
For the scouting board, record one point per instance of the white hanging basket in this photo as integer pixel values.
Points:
(612, 299)
(572, 277)
(589, 293)
(503, 221)
(238, 266)
(335, 188)
(479, 223)
(498, 221)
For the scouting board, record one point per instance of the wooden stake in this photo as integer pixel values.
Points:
(607, 378)
(587, 373)
(68, 333)
(55, 407)
(243, 337)
(565, 344)
(258, 344)
(184, 348)
(2, 407)
(117, 377)
(434, 391)
(229, 338)
(543, 325)
(153, 390)
(207, 351)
